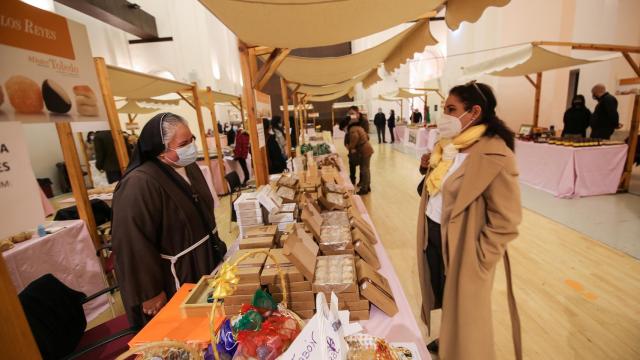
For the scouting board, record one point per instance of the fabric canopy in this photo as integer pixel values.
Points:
(344, 105)
(388, 98)
(132, 107)
(329, 89)
(311, 23)
(132, 84)
(527, 60)
(329, 97)
(333, 70)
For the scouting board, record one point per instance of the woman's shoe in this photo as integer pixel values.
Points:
(433, 346)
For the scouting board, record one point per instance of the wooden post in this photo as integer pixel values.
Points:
(536, 105)
(401, 108)
(197, 106)
(70, 154)
(633, 144)
(16, 338)
(86, 157)
(216, 134)
(242, 117)
(296, 116)
(333, 118)
(285, 114)
(112, 113)
(261, 172)
(426, 109)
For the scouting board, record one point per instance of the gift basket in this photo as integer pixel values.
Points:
(262, 330)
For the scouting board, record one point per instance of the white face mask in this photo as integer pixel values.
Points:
(187, 155)
(450, 126)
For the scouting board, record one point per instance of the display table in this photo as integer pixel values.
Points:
(210, 183)
(571, 172)
(67, 254)
(400, 133)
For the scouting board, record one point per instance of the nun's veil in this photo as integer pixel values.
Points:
(150, 143)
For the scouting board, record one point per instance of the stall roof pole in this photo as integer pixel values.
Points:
(333, 119)
(197, 106)
(633, 144)
(588, 46)
(296, 117)
(70, 154)
(285, 114)
(216, 134)
(263, 76)
(112, 113)
(536, 105)
(16, 337)
(257, 154)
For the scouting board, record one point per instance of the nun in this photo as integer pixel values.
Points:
(164, 229)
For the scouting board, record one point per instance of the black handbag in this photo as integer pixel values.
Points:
(421, 186)
(219, 247)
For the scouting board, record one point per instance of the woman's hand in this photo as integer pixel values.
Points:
(424, 160)
(152, 306)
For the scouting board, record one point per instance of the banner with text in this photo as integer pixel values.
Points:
(19, 192)
(46, 68)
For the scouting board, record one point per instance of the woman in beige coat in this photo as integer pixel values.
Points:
(470, 209)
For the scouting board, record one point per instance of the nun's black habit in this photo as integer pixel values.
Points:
(156, 216)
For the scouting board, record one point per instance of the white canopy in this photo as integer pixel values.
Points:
(132, 107)
(136, 85)
(334, 70)
(329, 97)
(309, 23)
(526, 60)
(344, 105)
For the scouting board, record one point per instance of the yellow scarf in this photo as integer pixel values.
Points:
(439, 165)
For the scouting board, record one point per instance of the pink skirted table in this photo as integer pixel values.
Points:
(67, 254)
(402, 327)
(210, 182)
(400, 132)
(568, 172)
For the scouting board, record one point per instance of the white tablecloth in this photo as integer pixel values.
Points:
(67, 254)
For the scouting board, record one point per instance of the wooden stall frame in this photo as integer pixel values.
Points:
(78, 188)
(285, 114)
(216, 134)
(625, 50)
(112, 113)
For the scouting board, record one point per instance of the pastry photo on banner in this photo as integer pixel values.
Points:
(47, 72)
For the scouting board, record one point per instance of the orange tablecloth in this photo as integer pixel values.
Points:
(169, 324)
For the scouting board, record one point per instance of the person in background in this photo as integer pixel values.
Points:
(380, 121)
(604, 120)
(359, 150)
(231, 136)
(277, 160)
(106, 157)
(469, 211)
(353, 164)
(220, 129)
(241, 151)
(164, 228)
(391, 123)
(576, 118)
(292, 132)
(416, 116)
(278, 131)
(90, 146)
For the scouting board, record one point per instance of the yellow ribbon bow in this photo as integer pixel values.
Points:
(225, 283)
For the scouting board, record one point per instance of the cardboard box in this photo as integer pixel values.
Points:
(367, 252)
(249, 275)
(303, 296)
(362, 304)
(345, 297)
(270, 275)
(260, 231)
(335, 273)
(238, 299)
(268, 198)
(247, 289)
(255, 260)
(302, 306)
(336, 240)
(287, 194)
(301, 286)
(195, 304)
(256, 242)
(365, 229)
(302, 252)
(305, 314)
(375, 288)
(311, 217)
(359, 315)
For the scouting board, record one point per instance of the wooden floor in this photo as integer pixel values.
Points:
(577, 298)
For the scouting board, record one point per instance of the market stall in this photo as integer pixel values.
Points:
(568, 172)
(534, 58)
(79, 269)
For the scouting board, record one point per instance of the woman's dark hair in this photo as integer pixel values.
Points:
(354, 108)
(480, 94)
(578, 98)
(276, 123)
(89, 138)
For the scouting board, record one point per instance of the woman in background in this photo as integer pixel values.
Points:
(576, 118)
(278, 131)
(391, 123)
(241, 152)
(359, 150)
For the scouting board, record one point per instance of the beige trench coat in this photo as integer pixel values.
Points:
(480, 215)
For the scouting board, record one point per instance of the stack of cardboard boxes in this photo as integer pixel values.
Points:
(248, 211)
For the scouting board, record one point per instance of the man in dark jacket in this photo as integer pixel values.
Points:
(106, 157)
(605, 118)
(380, 121)
(416, 116)
(391, 123)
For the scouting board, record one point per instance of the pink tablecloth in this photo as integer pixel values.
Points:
(571, 172)
(46, 204)
(400, 133)
(69, 255)
(210, 182)
(233, 165)
(402, 327)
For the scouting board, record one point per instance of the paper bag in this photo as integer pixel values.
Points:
(322, 337)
